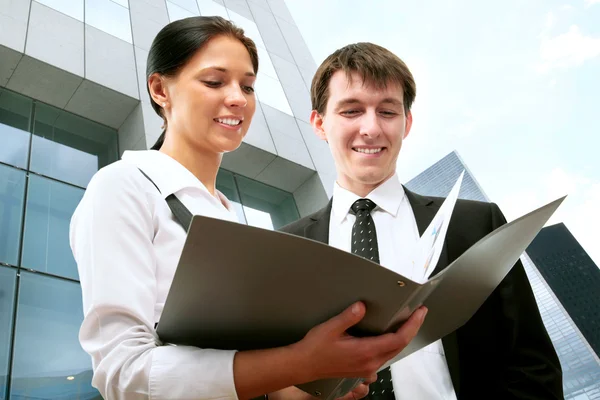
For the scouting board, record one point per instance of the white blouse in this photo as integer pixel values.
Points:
(127, 246)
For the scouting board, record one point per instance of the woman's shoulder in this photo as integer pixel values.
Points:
(121, 182)
(120, 175)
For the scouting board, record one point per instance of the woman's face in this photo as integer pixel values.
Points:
(210, 103)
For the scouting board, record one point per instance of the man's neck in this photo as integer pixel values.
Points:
(360, 189)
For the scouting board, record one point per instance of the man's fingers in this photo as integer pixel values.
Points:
(347, 318)
(357, 393)
(372, 378)
(413, 324)
(361, 391)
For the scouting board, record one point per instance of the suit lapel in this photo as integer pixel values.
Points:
(318, 229)
(424, 210)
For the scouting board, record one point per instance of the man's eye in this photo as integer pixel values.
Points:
(350, 112)
(388, 113)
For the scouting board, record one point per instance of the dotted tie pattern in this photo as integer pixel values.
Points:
(364, 244)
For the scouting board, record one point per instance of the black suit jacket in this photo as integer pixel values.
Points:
(503, 351)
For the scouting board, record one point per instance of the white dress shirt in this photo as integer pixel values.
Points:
(127, 246)
(423, 374)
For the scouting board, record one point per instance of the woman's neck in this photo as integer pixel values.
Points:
(203, 164)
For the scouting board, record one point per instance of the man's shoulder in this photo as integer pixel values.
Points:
(297, 227)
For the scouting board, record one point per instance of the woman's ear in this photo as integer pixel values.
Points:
(158, 90)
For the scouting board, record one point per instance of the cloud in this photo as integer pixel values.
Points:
(570, 49)
(579, 212)
(589, 3)
(550, 20)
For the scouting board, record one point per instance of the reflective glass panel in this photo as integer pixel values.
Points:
(124, 3)
(48, 361)
(109, 17)
(15, 112)
(188, 5)
(12, 183)
(275, 207)
(72, 8)
(50, 205)
(8, 277)
(265, 65)
(249, 27)
(270, 92)
(209, 7)
(68, 147)
(176, 12)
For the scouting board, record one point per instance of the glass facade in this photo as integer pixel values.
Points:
(439, 179)
(47, 159)
(572, 275)
(110, 16)
(581, 366)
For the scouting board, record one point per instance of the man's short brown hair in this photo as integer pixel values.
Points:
(375, 64)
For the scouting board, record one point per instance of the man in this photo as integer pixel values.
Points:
(361, 97)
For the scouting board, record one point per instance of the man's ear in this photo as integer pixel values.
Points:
(316, 121)
(408, 124)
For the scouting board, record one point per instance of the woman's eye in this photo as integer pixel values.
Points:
(213, 84)
(248, 89)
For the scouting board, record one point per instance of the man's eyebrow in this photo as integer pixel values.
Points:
(393, 101)
(346, 102)
(352, 100)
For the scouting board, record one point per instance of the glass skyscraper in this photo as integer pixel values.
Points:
(580, 365)
(439, 179)
(72, 99)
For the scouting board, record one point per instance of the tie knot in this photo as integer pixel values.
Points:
(362, 205)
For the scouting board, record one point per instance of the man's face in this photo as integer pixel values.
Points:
(364, 127)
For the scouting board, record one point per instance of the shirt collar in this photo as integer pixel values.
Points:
(168, 174)
(388, 196)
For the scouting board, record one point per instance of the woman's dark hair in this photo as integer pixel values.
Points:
(177, 43)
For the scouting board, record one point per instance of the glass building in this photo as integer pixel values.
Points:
(72, 100)
(439, 179)
(580, 365)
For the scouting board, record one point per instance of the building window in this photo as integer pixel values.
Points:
(15, 114)
(8, 277)
(47, 159)
(258, 204)
(48, 361)
(70, 148)
(110, 16)
(266, 206)
(48, 212)
(12, 184)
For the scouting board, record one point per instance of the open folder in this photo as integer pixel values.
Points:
(241, 287)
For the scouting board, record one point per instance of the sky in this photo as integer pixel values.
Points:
(513, 87)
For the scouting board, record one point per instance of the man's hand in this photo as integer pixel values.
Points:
(361, 390)
(327, 351)
(293, 393)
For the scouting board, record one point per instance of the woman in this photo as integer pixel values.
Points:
(126, 241)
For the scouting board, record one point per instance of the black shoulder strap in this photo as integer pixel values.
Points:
(183, 216)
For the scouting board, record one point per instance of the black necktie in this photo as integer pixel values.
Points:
(364, 244)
